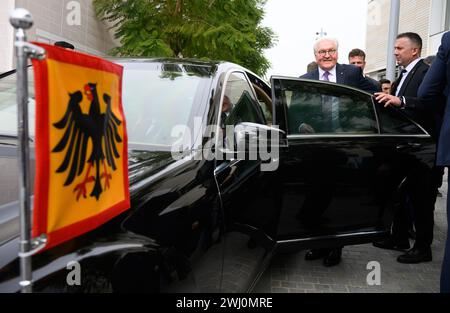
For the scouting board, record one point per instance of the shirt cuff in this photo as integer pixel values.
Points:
(403, 103)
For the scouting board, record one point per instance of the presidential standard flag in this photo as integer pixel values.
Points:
(81, 144)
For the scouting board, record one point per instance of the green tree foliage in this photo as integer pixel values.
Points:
(227, 30)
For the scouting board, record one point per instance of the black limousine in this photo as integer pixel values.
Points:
(211, 224)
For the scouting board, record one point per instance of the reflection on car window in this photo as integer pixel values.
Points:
(392, 122)
(158, 98)
(239, 104)
(264, 96)
(264, 100)
(324, 109)
(8, 104)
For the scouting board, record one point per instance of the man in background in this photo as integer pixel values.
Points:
(429, 59)
(386, 86)
(357, 57)
(312, 67)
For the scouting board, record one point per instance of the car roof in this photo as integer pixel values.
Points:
(165, 60)
(215, 66)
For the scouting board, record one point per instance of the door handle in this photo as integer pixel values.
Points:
(409, 145)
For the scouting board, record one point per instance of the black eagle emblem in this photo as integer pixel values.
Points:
(101, 129)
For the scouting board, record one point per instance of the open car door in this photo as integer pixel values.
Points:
(341, 172)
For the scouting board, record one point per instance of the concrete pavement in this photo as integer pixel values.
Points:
(292, 274)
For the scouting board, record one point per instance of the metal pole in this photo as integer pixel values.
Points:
(21, 20)
(393, 32)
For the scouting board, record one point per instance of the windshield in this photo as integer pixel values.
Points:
(156, 98)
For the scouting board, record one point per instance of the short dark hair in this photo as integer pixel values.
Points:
(384, 81)
(64, 44)
(414, 37)
(312, 66)
(429, 59)
(357, 53)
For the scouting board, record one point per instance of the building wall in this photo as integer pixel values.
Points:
(56, 20)
(414, 17)
(439, 23)
(377, 30)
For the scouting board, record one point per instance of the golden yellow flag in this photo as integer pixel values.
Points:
(81, 144)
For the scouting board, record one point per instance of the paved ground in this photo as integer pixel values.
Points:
(292, 274)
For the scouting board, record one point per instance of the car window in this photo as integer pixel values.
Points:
(159, 97)
(239, 104)
(156, 98)
(318, 108)
(264, 95)
(393, 122)
(8, 104)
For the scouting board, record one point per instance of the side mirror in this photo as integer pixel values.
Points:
(259, 142)
(257, 137)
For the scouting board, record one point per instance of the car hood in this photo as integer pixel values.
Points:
(146, 163)
(141, 164)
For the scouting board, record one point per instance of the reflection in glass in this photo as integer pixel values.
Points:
(324, 109)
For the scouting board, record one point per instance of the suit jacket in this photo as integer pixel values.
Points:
(376, 84)
(434, 88)
(416, 109)
(349, 75)
(411, 86)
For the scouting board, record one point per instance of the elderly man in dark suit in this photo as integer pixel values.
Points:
(421, 189)
(326, 54)
(436, 85)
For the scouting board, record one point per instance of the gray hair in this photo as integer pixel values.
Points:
(320, 40)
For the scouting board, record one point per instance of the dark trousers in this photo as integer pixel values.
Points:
(417, 208)
(445, 274)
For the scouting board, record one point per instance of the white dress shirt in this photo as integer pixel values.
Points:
(330, 104)
(332, 77)
(408, 69)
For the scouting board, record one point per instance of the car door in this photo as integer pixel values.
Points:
(244, 190)
(336, 179)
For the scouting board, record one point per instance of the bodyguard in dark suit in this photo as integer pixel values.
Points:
(420, 186)
(435, 85)
(326, 54)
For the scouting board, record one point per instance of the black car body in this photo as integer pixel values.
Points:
(202, 224)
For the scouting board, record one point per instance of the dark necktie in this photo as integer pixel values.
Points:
(223, 118)
(398, 81)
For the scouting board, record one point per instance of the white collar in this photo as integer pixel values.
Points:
(332, 73)
(412, 65)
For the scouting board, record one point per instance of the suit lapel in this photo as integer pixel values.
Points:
(409, 78)
(340, 74)
(316, 75)
(394, 86)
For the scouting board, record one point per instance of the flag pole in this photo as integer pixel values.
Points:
(21, 20)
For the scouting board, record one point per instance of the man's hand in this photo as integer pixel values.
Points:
(388, 100)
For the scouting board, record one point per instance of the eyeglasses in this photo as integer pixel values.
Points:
(323, 53)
